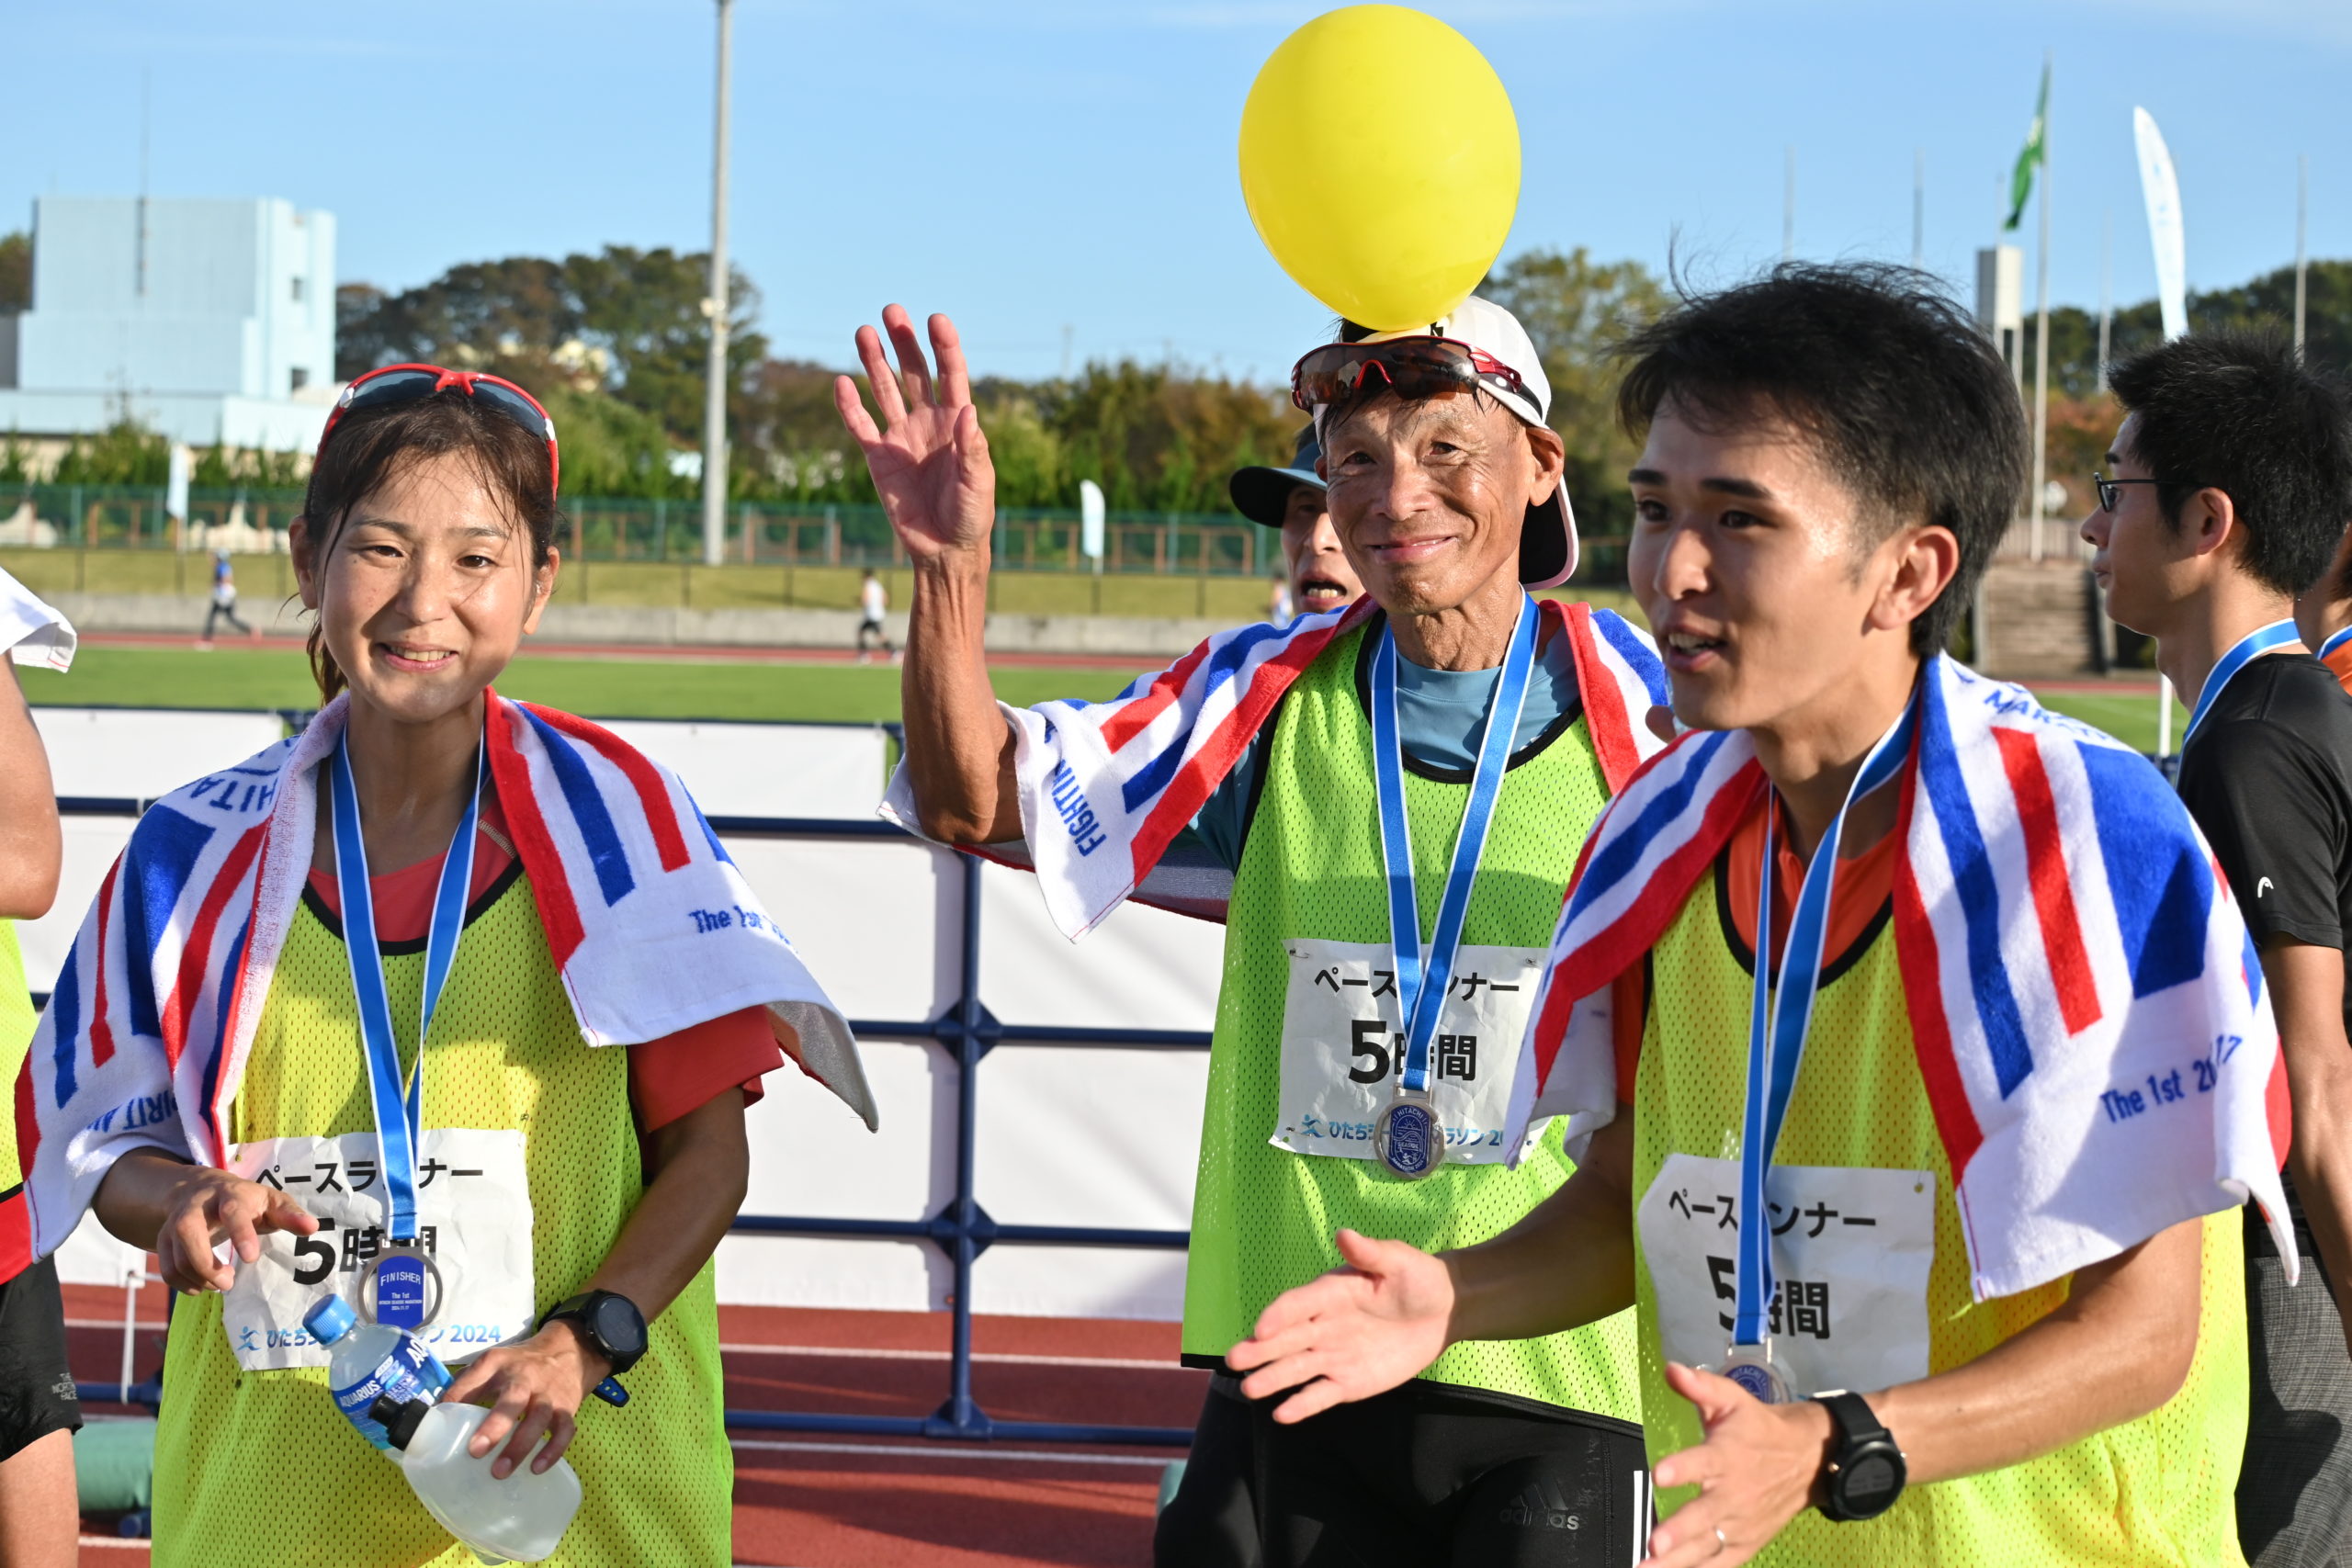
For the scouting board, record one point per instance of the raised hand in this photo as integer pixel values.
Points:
(1357, 1331)
(929, 460)
(1758, 1470)
(211, 1206)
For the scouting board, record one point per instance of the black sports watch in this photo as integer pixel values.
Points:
(608, 1320)
(1866, 1470)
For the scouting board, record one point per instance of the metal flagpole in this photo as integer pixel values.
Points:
(2106, 288)
(2042, 337)
(1918, 208)
(1788, 205)
(2302, 203)
(714, 408)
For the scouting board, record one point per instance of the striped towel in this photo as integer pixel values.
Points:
(1106, 787)
(2088, 1010)
(31, 631)
(145, 1037)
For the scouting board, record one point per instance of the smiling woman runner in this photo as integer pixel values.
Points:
(231, 1069)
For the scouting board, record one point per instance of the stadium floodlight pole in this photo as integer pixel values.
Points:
(2041, 337)
(2302, 204)
(714, 408)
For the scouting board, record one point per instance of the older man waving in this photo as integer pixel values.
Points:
(1383, 803)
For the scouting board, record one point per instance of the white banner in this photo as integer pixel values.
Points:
(2161, 188)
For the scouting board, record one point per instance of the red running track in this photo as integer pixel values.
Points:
(827, 1502)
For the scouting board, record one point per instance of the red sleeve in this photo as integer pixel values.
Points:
(683, 1072)
(1628, 1019)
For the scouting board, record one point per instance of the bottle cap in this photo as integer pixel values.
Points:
(330, 1319)
(397, 1419)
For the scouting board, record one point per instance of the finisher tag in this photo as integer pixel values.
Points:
(474, 1223)
(1343, 1036)
(1850, 1252)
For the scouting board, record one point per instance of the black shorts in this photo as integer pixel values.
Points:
(1429, 1475)
(36, 1386)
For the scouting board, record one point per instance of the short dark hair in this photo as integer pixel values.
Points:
(371, 446)
(2240, 413)
(1894, 381)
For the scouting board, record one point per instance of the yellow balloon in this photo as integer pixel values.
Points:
(1379, 163)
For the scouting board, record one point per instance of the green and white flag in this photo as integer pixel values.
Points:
(2021, 179)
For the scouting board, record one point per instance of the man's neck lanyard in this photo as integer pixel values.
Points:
(2335, 640)
(1407, 1136)
(398, 1134)
(1776, 1031)
(2242, 652)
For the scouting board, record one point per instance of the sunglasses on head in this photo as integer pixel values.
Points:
(397, 384)
(1414, 366)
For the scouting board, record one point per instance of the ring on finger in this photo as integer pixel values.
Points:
(1721, 1543)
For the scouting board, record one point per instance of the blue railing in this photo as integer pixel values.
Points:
(961, 1229)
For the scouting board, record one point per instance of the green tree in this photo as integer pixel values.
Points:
(1157, 438)
(15, 271)
(1578, 310)
(123, 454)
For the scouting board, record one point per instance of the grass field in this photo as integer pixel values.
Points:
(604, 688)
(676, 688)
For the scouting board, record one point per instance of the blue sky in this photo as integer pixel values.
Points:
(1032, 164)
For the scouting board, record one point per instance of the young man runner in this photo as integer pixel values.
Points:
(1954, 1159)
(1420, 765)
(1315, 568)
(2226, 492)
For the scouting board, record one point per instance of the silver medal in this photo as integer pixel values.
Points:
(401, 1288)
(1407, 1138)
(1750, 1366)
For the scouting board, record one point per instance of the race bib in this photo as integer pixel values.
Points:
(1344, 1047)
(473, 1207)
(1850, 1252)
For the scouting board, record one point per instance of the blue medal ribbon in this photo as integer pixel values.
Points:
(1422, 982)
(397, 1108)
(1778, 1021)
(2260, 640)
(2335, 640)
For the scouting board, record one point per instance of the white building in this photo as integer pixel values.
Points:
(209, 320)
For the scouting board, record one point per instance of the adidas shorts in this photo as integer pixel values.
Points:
(1429, 1475)
(36, 1386)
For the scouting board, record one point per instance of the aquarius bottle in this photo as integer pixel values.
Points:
(366, 1362)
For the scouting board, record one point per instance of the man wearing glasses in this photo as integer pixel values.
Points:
(1383, 805)
(2226, 496)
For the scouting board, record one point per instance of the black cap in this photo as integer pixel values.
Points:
(1263, 494)
(397, 1419)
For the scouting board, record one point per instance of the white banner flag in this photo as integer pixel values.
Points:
(2161, 187)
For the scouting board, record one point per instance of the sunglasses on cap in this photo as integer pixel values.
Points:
(1414, 366)
(395, 384)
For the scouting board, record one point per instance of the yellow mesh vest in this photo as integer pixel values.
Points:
(1262, 1217)
(2158, 1490)
(17, 1021)
(259, 1470)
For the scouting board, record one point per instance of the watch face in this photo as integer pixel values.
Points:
(1871, 1481)
(618, 1326)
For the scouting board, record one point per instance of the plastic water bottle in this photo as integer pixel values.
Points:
(519, 1519)
(369, 1360)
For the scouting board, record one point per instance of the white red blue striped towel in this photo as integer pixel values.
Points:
(1105, 787)
(2066, 937)
(145, 1037)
